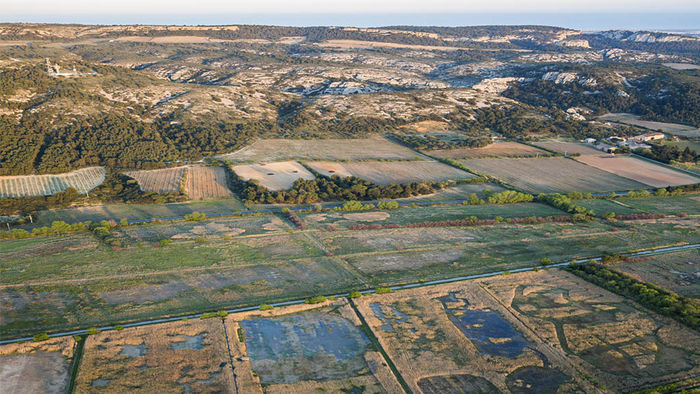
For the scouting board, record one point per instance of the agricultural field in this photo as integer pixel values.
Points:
(306, 348)
(552, 174)
(678, 272)
(456, 338)
(459, 191)
(385, 173)
(604, 206)
(569, 148)
(393, 256)
(166, 180)
(184, 356)
(619, 344)
(83, 180)
(36, 367)
(206, 182)
(376, 148)
(273, 176)
(496, 149)
(639, 170)
(686, 204)
(670, 128)
(116, 212)
(79, 281)
(404, 216)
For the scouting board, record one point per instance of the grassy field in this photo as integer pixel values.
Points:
(137, 211)
(623, 346)
(687, 204)
(548, 175)
(670, 128)
(427, 214)
(77, 281)
(603, 206)
(678, 272)
(325, 149)
(185, 356)
(456, 338)
(385, 173)
(496, 149)
(639, 170)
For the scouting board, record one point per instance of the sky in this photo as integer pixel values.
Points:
(669, 14)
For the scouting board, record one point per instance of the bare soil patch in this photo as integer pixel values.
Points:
(569, 148)
(325, 149)
(385, 173)
(639, 170)
(274, 176)
(552, 174)
(496, 149)
(206, 182)
(42, 367)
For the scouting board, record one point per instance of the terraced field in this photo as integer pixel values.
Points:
(166, 180)
(377, 148)
(554, 174)
(82, 180)
(385, 173)
(206, 182)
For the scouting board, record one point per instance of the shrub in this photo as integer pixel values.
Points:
(355, 294)
(40, 337)
(195, 217)
(241, 334)
(93, 331)
(545, 261)
(382, 290)
(387, 205)
(118, 327)
(165, 242)
(221, 313)
(316, 299)
(266, 307)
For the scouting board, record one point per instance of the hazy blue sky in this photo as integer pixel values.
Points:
(679, 14)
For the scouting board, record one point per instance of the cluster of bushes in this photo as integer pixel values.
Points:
(294, 218)
(101, 230)
(508, 197)
(428, 142)
(472, 221)
(683, 309)
(195, 217)
(565, 203)
(669, 154)
(334, 188)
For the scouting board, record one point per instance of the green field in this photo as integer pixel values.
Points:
(407, 215)
(603, 206)
(137, 211)
(687, 204)
(78, 281)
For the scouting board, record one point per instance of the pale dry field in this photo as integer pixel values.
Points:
(166, 180)
(307, 338)
(83, 180)
(569, 147)
(497, 149)
(385, 173)
(475, 346)
(183, 356)
(376, 44)
(634, 120)
(620, 344)
(273, 176)
(322, 149)
(552, 174)
(682, 66)
(639, 170)
(678, 272)
(36, 367)
(206, 182)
